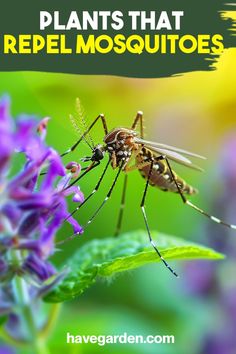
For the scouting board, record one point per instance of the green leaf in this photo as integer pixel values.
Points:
(108, 256)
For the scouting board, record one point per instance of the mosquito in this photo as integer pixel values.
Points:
(153, 160)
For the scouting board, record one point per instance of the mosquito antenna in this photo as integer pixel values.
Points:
(81, 114)
(78, 130)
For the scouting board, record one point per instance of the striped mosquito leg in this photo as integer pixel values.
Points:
(88, 169)
(147, 225)
(107, 197)
(195, 207)
(213, 218)
(122, 206)
(104, 124)
(86, 199)
(138, 118)
(92, 193)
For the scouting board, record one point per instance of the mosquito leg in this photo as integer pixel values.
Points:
(93, 192)
(104, 124)
(97, 211)
(122, 206)
(88, 169)
(147, 225)
(138, 118)
(107, 196)
(127, 169)
(186, 201)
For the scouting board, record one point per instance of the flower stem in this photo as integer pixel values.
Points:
(25, 305)
(52, 319)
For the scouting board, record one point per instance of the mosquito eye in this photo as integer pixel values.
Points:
(98, 154)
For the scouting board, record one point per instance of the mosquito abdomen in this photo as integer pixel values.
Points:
(161, 176)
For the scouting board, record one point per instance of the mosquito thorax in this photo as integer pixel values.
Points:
(118, 134)
(120, 144)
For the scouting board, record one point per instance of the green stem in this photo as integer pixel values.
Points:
(52, 319)
(25, 306)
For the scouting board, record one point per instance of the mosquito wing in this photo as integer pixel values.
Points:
(171, 153)
(171, 148)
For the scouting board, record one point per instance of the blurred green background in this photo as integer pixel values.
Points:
(195, 112)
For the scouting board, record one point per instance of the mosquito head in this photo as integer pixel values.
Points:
(98, 153)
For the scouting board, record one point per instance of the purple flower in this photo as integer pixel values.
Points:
(33, 208)
(32, 200)
(4, 349)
